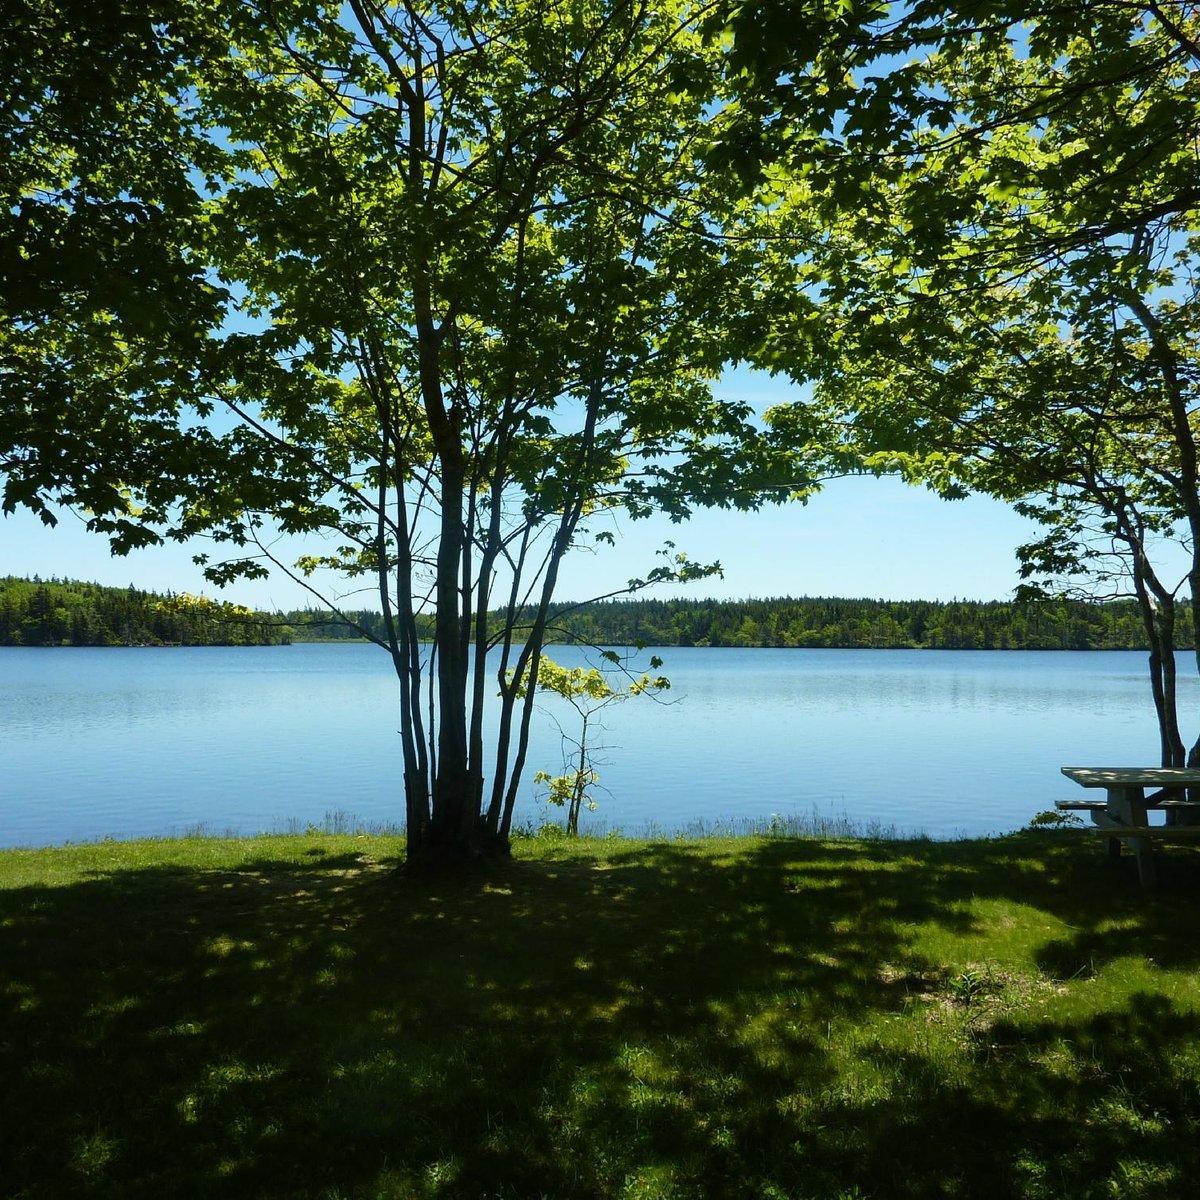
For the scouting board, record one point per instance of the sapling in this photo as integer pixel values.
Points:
(589, 693)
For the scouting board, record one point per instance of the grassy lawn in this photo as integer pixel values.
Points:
(759, 1017)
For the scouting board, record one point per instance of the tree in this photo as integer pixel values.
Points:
(1012, 306)
(864, 93)
(106, 307)
(472, 282)
(589, 693)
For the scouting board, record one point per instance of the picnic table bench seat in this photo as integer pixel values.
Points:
(1158, 833)
(1100, 805)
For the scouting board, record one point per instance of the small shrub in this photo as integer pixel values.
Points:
(1053, 819)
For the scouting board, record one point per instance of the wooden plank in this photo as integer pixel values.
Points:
(1081, 805)
(1133, 776)
(1157, 833)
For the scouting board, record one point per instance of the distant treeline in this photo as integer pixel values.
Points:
(816, 621)
(62, 613)
(36, 612)
(882, 624)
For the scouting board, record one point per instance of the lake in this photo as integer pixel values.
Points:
(134, 742)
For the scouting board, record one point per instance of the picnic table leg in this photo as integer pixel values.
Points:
(1143, 848)
(1185, 816)
(1127, 804)
(1101, 818)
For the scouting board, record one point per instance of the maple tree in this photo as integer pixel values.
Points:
(442, 284)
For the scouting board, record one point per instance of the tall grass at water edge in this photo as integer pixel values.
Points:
(813, 824)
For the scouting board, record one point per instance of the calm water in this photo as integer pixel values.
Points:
(140, 741)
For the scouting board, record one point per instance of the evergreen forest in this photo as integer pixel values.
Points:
(65, 613)
(36, 612)
(813, 621)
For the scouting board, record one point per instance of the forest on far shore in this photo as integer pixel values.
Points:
(36, 612)
(64, 612)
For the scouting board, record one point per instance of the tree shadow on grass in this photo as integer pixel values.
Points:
(658, 1022)
(1082, 1108)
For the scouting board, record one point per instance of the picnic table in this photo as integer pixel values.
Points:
(1124, 813)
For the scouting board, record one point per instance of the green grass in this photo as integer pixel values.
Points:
(759, 1017)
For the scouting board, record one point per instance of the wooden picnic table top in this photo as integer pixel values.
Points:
(1133, 776)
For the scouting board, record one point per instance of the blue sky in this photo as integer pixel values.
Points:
(860, 537)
